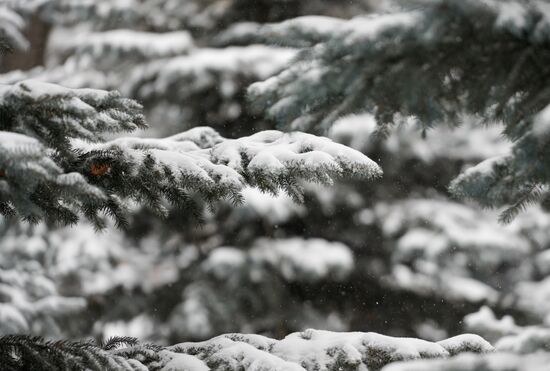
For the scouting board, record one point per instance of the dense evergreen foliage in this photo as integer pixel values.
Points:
(435, 63)
(234, 227)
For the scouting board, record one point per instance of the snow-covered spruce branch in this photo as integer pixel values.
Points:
(31, 302)
(201, 162)
(297, 32)
(111, 47)
(204, 68)
(52, 114)
(55, 164)
(36, 122)
(306, 351)
(523, 351)
(434, 63)
(423, 49)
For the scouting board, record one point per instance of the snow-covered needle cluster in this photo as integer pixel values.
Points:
(40, 177)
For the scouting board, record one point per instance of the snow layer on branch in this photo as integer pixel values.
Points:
(31, 300)
(484, 182)
(313, 347)
(309, 350)
(36, 90)
(469, 141)
(71, 74)
(276, 209)
(484, 322)
(42, 268)
(303, 83)
(14, 141)
(36, 108)
(530, 340)
(534, 297)
(106, 13)
(466, 343)
(178, 362)
(451, 287)
(457, 224)
(269, 160)
(297, 32)
(294, 259)
(308, 260)
(220, 296)
(321, 350)
(204, 68)
(449, 250)
(121, 43)
(38, 120)
(541, 123)
(97, 264)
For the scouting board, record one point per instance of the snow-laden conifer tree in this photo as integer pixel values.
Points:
(407, 265)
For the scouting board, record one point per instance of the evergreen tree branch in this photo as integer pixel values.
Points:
(56, 165)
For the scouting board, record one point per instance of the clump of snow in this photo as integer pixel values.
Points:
(466, 343)
(295, 259)
(275, 208)
(122, 41)
(299, 259)
(198, 70)
(453, 251)
(429, 283)
(485, 322)
(534, 297)
(541, 124)
(321, 350)
(355, 131)
(297, 32)
(179, 362)
(469, 141)
(365, 29)
(14, 141)
(262, 159)
(225, 261)
(37, 90)
(512, 16)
